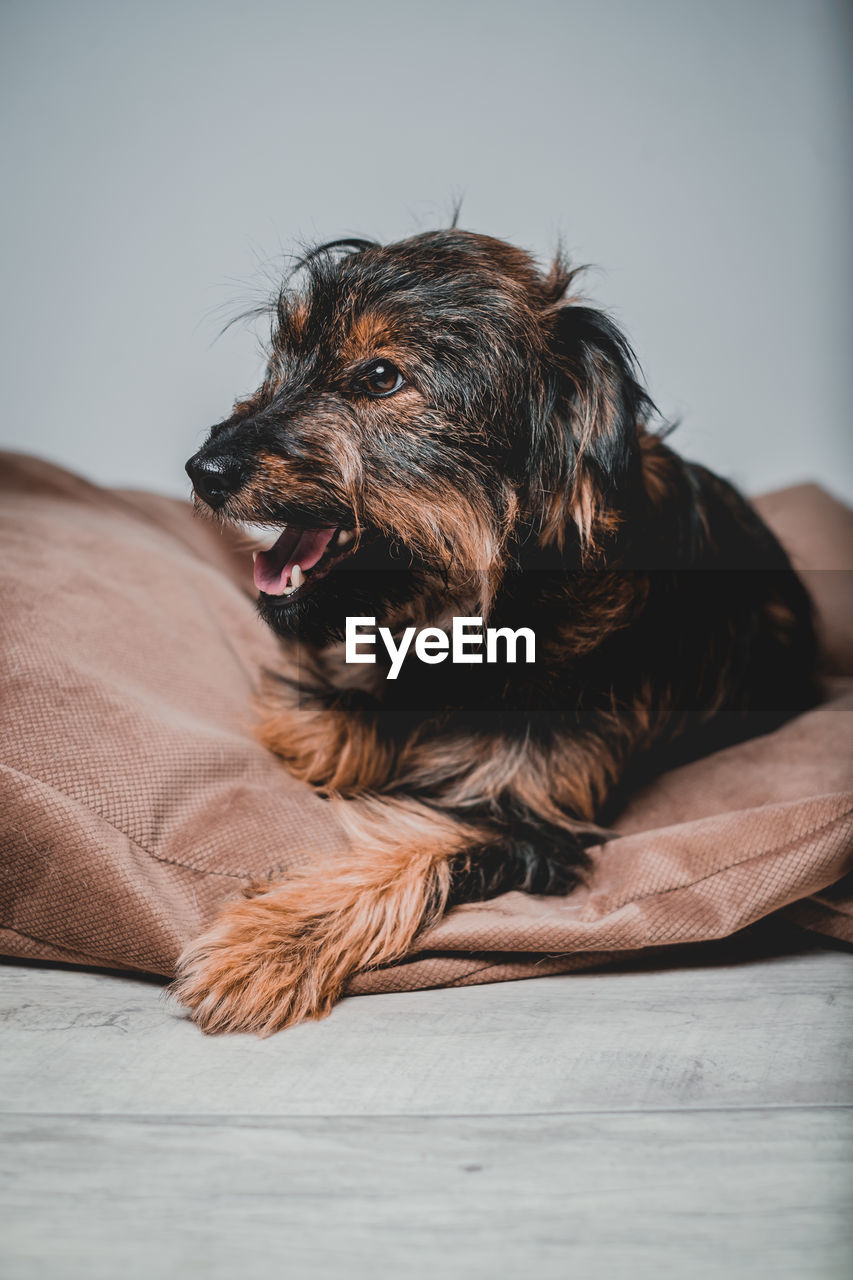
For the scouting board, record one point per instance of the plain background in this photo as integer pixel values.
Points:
(158, 158)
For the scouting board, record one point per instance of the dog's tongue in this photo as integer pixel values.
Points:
(295, 546)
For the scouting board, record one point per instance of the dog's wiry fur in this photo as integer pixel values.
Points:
(514, 475)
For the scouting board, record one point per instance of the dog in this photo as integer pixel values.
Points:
(445, 431)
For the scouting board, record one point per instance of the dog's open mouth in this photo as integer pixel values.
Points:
(295, 556)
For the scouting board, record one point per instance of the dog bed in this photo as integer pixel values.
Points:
(133, 799)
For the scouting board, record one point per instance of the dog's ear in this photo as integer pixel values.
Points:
(585, 431)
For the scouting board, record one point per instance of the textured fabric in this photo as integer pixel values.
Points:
(133, 799)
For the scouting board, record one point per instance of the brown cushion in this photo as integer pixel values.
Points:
(134, 799)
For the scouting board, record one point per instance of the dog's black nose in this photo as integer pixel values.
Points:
(215, 479)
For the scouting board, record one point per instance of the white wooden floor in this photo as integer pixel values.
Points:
(686, 1122)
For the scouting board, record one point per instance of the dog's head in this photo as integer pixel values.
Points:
(430, 409)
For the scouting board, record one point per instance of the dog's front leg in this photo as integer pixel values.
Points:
(283, 953)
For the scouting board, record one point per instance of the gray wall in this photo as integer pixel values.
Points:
(158, 157)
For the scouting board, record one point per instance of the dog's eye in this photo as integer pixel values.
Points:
(382, 379)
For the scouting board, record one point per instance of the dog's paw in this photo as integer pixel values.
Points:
(259, 968)
(284, 953)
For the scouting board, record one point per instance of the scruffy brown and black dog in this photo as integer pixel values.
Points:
(443, 432)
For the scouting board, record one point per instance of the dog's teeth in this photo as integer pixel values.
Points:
(345, 536)
(288, 591)
(255, 555)
(262, 535)
(297, 577)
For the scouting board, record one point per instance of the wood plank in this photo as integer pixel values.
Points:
(777, 1031)
(757, 1194)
